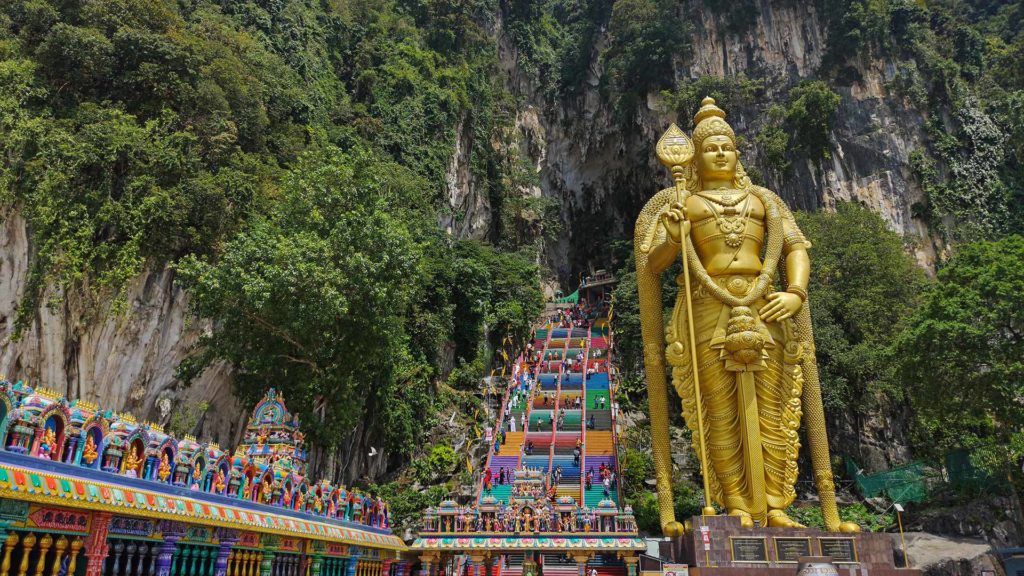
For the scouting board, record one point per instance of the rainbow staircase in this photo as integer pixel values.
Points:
(563, 391)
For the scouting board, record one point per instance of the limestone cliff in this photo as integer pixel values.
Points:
(602, 170)
(126, 361)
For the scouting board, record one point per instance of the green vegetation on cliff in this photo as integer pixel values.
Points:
(289, 160)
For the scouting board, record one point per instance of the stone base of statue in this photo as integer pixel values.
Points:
(719, 546)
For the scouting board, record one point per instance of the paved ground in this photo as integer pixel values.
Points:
(930, 550)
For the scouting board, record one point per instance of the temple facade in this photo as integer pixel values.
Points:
(85, 491)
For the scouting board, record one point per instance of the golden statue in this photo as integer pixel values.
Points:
(756, 373)
(89, 454)
(131, 464)
(165, 468)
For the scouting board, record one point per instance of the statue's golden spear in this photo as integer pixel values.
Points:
(675, 150)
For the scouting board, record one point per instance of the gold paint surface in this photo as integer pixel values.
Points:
(742, 317)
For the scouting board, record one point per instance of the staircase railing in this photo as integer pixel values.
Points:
(583, 418)
(613, 417)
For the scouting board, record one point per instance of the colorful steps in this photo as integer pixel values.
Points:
(511, 448)
(599, 444)
(593, 497)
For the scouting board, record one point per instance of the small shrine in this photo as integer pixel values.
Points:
(529, 510)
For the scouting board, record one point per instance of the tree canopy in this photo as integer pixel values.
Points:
(962, 356)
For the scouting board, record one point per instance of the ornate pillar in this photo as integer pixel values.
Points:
(118, 551)
(59, 547)
(96, 543)
(44, 546)
(316, 564)
(145, 560)
(76, 546)
(246, 565)
(27, 544)
(37, 440)
(267, 563)
(165, 559)
(9, 544)
(632, 563)
(350, 566)
(425, 565)
(581, 559)
(227, 539)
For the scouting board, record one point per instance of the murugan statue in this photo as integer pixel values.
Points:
(750, 341)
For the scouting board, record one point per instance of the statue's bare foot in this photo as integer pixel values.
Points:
(672, 529)
(745, 520)
(848, 527)
(778, 519)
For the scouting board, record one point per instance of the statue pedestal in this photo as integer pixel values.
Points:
(718, 546)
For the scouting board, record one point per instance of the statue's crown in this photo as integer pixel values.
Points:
(710, 121)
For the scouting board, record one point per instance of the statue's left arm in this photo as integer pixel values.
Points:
(784, 305)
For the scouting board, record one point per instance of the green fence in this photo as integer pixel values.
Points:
(901, 484)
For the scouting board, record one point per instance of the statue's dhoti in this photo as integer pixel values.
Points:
(751, 381)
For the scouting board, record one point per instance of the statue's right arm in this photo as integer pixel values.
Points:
(663, 255)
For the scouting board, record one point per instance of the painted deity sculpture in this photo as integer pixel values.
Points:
(164, 470)
(48, 445)
(131, 464)
(750, 340)
(89, 454)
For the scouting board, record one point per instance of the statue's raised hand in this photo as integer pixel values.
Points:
(675, 222)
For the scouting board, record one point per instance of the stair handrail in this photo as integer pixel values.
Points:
(497, 431)
(533, 390)
(583, 418)
(612, 418)
(554, 409)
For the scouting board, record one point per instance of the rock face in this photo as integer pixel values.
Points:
(599, 168)
(125, 361)
(602, 170)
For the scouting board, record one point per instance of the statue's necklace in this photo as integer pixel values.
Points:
(731, 220)
(724, 197)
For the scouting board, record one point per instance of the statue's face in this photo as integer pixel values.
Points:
(716, 160)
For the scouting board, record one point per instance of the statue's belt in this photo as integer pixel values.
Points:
(737, 285)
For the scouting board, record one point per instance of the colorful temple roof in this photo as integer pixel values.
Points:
(72, 453)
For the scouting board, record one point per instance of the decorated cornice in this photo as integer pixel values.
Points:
(45, 487)
(611, 543)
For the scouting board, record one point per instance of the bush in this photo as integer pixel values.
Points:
(439, 464)
(868, 520)
(644, 35)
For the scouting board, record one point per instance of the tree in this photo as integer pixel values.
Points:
(312, 297)
(962, 357)
(863, 285)
(644, 35)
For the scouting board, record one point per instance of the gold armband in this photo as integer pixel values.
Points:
(794, 289)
